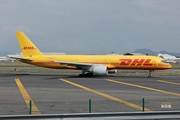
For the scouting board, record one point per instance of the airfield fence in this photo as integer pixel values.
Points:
(16, 107)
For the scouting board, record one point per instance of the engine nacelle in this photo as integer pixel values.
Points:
(112, 71)
(98, 70)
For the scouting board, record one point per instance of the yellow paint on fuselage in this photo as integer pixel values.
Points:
(112, 61)
(32, 55)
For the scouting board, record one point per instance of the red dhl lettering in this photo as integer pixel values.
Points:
(29, 48)
(125, 61)
(147, 63)
(136, 62)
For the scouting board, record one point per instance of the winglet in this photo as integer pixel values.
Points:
(27, 47)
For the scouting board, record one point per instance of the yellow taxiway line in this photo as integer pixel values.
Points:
(143, 87)
(168, 82)
(105, 95)
(27, 97)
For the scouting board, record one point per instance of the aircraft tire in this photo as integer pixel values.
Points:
(81, 75)
(86, 75)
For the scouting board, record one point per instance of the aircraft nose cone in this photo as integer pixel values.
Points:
(169, 66)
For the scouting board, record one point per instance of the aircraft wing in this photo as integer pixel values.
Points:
(77, 64)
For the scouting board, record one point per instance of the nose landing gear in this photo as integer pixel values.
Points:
(150, 73)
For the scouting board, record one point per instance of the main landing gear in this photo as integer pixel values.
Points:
(150, 73)
(86, 75)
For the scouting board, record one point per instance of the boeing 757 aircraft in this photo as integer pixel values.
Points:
(89, 64)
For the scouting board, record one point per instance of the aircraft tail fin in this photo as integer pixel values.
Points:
(27, 47)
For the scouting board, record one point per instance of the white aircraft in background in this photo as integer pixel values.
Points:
(5, 58)
(169, 58)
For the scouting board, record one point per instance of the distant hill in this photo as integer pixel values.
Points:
(145, 51)
(150, 52)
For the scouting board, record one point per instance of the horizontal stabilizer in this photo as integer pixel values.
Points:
(19, 58)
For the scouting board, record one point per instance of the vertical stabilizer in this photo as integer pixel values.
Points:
(27, 47)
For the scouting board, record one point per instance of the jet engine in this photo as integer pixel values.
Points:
(98, 70)
(112, 71)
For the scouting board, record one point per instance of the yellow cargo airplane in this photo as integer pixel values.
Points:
(89, 64)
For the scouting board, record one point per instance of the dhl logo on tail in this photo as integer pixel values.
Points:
(29, 48)
(136, 62)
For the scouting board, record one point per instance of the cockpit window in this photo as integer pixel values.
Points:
(161, 57)
(163, 61)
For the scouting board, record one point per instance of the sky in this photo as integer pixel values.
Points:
(91, 26)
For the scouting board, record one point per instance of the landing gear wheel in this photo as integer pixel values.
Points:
(81, 75)
(89, 74)
(150, 73)
(149, 76)
(86, 75)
